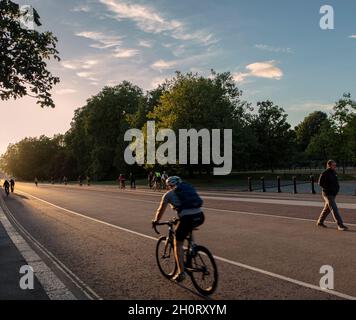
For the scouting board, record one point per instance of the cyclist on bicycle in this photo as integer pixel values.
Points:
(6, 186)
(182, 198)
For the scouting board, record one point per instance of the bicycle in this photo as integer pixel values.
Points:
(7, 191)
(156, 185)
(199, 263)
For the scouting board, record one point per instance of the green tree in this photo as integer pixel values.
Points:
(41, 157)
(343, 114)
(275, 139)
(96, 137)
(350, 133)
(191, 101)
(308, 128)
(322, 146)
(23, 70)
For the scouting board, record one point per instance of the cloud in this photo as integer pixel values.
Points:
(81, 8)
(79, 64)
(200, 36)
(65, 91)
(179, 50)
(353, 36)
(266, 47)
(146, 18)
(150, 20)
(87, 75)
(164, 65)
(125, 53)
(69, 65)
(145, 43)
(102, 41)
(311, 106)
(267, 70)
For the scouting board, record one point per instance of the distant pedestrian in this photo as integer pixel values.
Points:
(65, 180)
(163, 179)
(329, 183)
(122, 180)
(150, 179)
(88, 180)
(36, 181)
(12, 184)
(132, 181)
(80, 180)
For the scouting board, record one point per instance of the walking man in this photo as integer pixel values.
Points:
(328, 181)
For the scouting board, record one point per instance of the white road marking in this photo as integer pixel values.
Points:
(84, 288)
(241, 265)
(53, 286)
(89, 218)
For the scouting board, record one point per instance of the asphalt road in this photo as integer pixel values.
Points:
(266, 246)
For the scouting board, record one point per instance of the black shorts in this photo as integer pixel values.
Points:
(187, 223)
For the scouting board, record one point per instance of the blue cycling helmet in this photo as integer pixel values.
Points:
(173, 181)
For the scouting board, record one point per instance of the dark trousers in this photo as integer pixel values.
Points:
(330, 206)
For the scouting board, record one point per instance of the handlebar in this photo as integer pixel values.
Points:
(170, 223)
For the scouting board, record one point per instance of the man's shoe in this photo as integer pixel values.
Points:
(179, 277)
(342, 228)
(322, 225)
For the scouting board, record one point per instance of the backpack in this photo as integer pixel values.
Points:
(188, 197)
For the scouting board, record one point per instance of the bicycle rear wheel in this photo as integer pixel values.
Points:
(165, 257)
(203, 270)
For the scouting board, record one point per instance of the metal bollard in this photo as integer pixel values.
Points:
(263, 184)
(312, 181)
(295, 185)
(279, 185)
(249, 184)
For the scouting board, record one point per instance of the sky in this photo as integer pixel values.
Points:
(275, 50)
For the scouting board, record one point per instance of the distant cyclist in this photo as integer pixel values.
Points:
(164, 179)
(6, 186)
(157, 180)
(183, 198)
(12, 184)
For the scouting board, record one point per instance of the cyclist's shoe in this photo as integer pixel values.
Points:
(342, 228)
(179, 277)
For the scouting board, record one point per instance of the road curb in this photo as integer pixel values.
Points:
(53, 286)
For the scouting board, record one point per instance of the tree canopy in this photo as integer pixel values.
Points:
(262, 137)
(23, 55)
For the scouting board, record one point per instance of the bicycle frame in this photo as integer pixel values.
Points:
(189, 251)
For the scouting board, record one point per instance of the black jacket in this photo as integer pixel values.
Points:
(329, 182)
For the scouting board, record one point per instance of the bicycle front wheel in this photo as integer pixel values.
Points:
(165, 257)
(203, 271)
